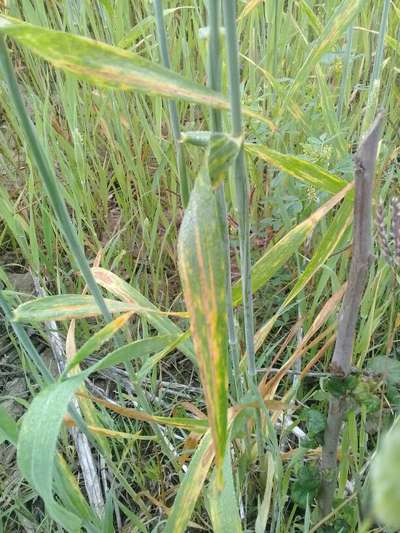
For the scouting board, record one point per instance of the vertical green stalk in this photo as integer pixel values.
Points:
(376, 72)
(375, 84)
(214, 58)
(241, 184)
(214, 82)
(346, 72)
(176, 131)
(49, 180)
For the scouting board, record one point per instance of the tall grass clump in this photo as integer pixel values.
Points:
(182, 192)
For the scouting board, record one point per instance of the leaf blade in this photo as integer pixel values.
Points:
(299, 168)
(66, 307)
(110, 66)
(202, 270)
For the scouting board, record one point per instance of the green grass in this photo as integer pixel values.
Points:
(306, 66)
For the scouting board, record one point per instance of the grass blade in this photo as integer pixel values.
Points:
(120, 288)
(8, 427)
(278, 254)
(299, 168)
(37, 442)
(336, 25)
(224, 511)
(328, 244)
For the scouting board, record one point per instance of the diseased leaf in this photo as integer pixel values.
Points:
(202, 270)
(192, 424)
(97, 340)
(191, 486)
(111, 66)
(73, 306)
(65, 307)
(299, 168)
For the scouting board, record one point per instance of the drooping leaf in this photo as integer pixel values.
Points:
(222, 151)
(37, 442)
(73, 306)
(202, 270)
(111, 66)
(37, 445)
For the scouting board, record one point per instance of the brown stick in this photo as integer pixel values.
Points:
(364, 163)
